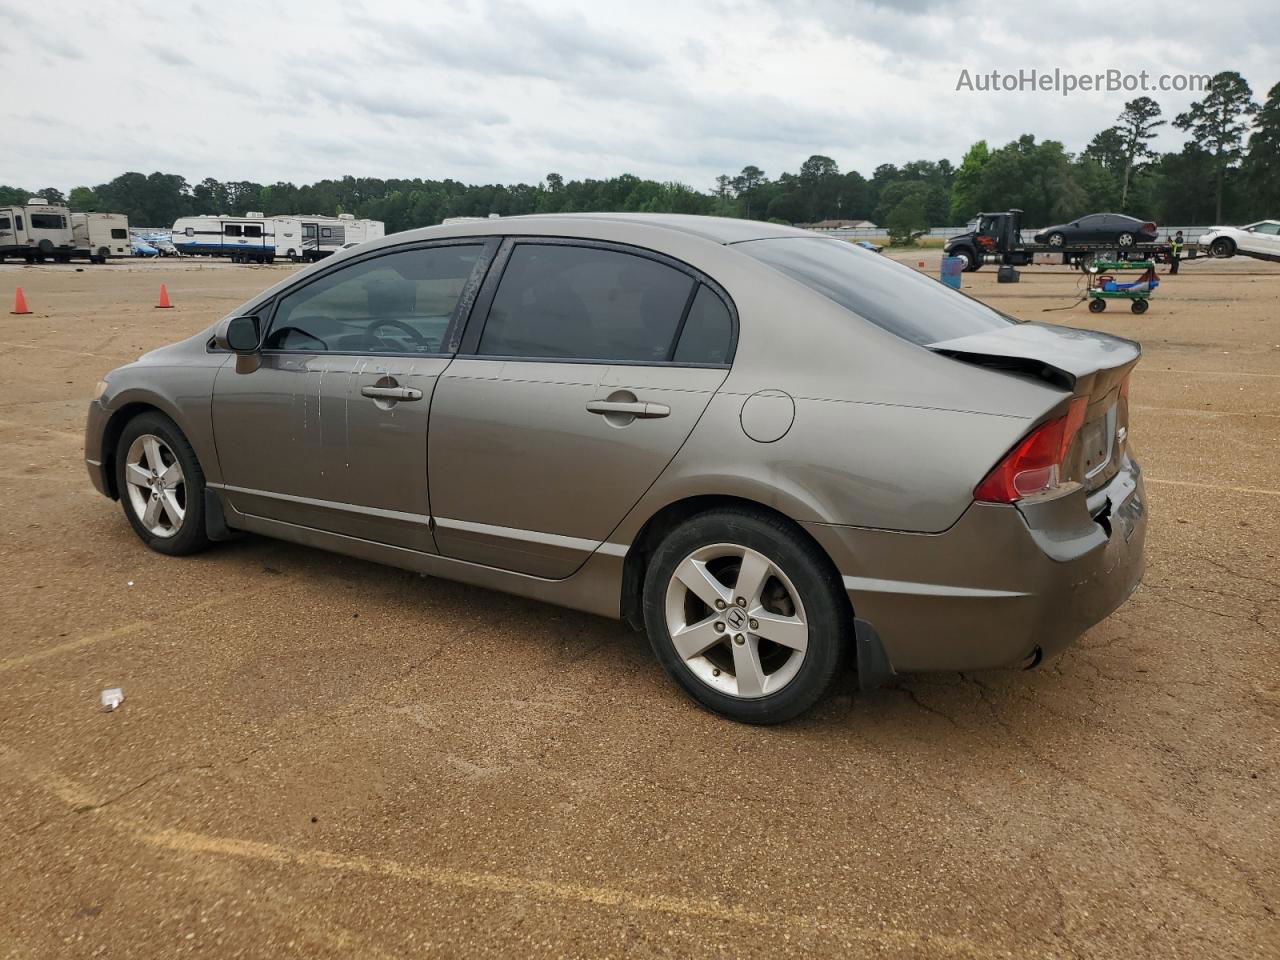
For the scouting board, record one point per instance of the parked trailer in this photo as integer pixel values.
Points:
(36, 231)
(97, 236)
(997, 238)
(247, 239)
(315, 237)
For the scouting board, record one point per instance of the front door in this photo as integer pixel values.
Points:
(328, 429)
(578, 387)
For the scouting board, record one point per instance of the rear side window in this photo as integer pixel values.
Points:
(888, 294)
(232, 230)
(708, 332)
(118, 234)
(584, 303)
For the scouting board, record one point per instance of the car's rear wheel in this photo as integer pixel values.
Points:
(1125, 240)
(161, 485)
(1223, 247)
(746, 615)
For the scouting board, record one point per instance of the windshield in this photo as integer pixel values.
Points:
(888, 294)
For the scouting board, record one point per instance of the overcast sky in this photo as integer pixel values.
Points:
(502, 91)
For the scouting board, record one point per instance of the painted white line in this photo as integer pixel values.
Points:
(1216, 486)
(1207, 373)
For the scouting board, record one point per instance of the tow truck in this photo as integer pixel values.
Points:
(997, 238)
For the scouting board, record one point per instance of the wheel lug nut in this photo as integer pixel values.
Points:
(755, 624)
(719, 627)
(720, 604)
(715, 673)
(742, 601)
(739, 639)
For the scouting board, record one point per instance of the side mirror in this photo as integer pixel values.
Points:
(241, 334)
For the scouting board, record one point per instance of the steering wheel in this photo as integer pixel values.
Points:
(414, 335)
(279, 336)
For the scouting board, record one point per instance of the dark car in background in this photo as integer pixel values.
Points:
(1117, 228)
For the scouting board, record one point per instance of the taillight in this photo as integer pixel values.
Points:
(1034, 465)
(1149, 227)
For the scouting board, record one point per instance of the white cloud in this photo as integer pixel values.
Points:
(503, 91)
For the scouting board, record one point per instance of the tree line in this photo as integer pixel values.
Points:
(1227, 170)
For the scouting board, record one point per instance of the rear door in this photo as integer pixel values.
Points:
(582, 373)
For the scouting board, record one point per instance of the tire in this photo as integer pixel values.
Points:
(1125, 240)
(1223, 247)
(1097, 305)
(798, 598)
(1138, 306)
(163, 533)
(1057, 240)
(965, 254)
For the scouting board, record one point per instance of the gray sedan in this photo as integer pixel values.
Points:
(775, 453)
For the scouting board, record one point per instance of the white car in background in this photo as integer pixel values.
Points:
(1260, 240)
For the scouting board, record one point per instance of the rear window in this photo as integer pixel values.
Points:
(888, 294)
(118, 233)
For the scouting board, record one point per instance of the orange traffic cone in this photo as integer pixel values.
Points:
(19, 303)
(164, 303)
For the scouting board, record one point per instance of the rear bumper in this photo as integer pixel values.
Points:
(1003, 583)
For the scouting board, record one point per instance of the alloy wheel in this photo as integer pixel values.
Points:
(736, 620)
(156, 485)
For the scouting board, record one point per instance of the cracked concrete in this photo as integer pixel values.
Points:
(319, 757)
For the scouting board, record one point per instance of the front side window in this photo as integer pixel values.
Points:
(583, 303)
(1269, 228)
(232, 230)
(119, 234)
(308, 230)
(888, 294)
(396, 303)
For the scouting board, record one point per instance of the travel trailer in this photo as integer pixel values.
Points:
(310, 238)
(36, 231)
(254, 237)
(100, 235)
(250, 238)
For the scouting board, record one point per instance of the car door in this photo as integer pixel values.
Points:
(583, 370)
(327, 428)
(1263, 238)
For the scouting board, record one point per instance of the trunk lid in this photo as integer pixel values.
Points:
(1082, 363)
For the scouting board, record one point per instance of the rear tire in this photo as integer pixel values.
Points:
(737, 669)
(1097, 305)
(163, 500)
(1138, 306)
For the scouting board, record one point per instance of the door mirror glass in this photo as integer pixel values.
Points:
(243, 334)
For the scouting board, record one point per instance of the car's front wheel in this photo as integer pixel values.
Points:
(161, 485)
(1223, 247)
(746, 615)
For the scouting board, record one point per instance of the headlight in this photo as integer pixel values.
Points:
(100, 389)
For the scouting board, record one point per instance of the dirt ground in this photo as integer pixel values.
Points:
(319, 757)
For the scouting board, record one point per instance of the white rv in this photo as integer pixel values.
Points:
(310, 238)
(100, 235)
(36, 231)
(250, 238)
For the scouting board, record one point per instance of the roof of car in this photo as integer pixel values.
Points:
(717, 229)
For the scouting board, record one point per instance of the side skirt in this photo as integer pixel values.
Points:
(595, 588)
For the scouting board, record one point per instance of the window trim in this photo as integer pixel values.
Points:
(479, 316)
(466, 301)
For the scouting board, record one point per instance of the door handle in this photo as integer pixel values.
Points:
(636, 408)
(391, 393)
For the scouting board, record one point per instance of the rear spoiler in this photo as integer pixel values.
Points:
(1078, 361)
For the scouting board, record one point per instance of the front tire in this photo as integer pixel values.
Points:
(746, 615)
(1057, 241)
(1223, 247)
(161, 485)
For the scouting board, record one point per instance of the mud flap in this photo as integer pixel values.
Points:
(215, 519)
(873, 663)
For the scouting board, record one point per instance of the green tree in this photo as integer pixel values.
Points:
(966, 187)
(1218, 123)
(908, 217)
(1262, 163)
(1136, 125)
